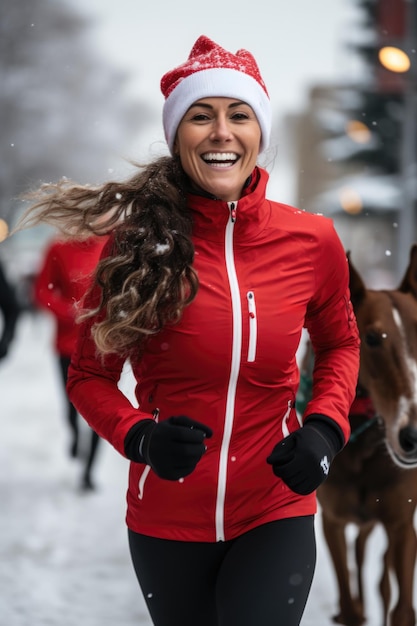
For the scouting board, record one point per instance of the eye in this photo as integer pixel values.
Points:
(239, 116)
(373, 338)
(200, 117)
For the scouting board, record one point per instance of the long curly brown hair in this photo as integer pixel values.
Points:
(147, 277)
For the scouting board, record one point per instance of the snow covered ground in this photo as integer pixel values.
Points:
(63, 553)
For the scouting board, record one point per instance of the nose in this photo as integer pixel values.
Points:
(221, 130)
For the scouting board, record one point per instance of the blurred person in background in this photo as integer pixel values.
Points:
(59, 288)
(205, 287)
(10, 310)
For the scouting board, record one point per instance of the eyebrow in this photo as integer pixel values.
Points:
(205, 105)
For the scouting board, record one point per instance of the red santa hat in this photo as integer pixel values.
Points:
(212, 71)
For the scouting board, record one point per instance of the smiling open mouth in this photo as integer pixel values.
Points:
(220, 159)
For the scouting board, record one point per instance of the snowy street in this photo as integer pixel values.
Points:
(64, 557)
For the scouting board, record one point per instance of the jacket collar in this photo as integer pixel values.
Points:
(252, 211)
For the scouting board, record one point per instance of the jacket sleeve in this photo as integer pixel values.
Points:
(48, 292)
(334, 335)
(92, 386)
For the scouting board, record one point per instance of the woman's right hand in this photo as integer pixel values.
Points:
(174, 446)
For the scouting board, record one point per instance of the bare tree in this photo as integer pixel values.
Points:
(63, 111)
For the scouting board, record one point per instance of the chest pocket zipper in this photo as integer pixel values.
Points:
(253, 326)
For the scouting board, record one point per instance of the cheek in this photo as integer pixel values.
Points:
(183, 149)
(257, 141)
(188, 163)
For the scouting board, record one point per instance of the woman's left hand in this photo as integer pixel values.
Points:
(302, 460)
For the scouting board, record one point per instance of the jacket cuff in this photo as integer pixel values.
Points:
(329, 429)
(133, 439)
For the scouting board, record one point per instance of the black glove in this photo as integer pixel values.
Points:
(302, 460)
(172, 447)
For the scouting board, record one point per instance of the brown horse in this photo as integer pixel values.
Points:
(374, 479)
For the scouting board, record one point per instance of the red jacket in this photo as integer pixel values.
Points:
(62, 282)
(231, 363)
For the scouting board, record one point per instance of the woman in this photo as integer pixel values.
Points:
(205, 287)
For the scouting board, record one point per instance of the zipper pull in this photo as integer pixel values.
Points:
(251, 304)
(232, 206)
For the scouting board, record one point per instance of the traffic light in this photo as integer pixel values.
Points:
(381, 42)
(369, 143)
(357, 141)
(372, 131)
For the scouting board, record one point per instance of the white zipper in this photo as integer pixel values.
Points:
(234, 371)
(253, 326)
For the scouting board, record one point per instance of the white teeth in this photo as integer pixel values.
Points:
(220, 156)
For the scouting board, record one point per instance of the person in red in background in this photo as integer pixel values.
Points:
(59, 288)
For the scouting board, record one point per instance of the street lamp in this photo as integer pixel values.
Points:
(4, 230)
(394, 59)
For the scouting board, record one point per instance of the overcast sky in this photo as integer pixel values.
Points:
(296, 43)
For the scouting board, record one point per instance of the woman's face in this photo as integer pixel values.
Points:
(218, 142)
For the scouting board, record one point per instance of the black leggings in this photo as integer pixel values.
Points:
(261, 578)
(72, 418)
(72, 415)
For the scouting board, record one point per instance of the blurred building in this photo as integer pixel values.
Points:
(356, 145)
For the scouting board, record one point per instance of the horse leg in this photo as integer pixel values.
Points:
(363, 534)
(350, 611)
(403, 551)
(385, 585)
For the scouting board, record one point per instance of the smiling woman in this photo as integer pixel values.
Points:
(205, 286)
